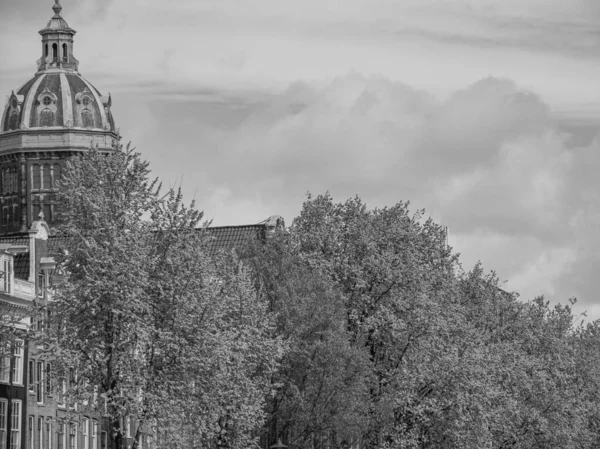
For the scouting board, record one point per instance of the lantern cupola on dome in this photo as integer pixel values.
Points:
(57, 44)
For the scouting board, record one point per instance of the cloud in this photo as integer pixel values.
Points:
(490, 162)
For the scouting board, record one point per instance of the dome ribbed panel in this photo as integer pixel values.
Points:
(29, 103)
(52, 84)
(78, 85)
(66, 97)
(24, 90)
(104, 122)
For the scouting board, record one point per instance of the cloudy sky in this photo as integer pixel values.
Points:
(486, 113)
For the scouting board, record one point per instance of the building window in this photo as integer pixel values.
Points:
(46, 117)
(87, 119)
(40, 382)
(84, 433)
(5, 369)
(7, 275)
(95, 435)
(15, 208)
(31, 376)
(36, 177)
(46, 177)
(30, 441)
(61, 436)
(64, 53)
(40, 433)
(48, 380)
(73, 437)
(103, 440)
(49, 434)
(54, 52)
(18, 363)
(15, 427)
(56, 174)
(3, 414)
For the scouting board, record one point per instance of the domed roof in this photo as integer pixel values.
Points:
(57, 99)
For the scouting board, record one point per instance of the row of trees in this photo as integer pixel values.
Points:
(353, 327)
(393, 345)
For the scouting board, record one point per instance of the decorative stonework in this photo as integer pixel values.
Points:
(40, 228)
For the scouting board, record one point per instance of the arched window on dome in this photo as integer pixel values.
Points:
(65, 55)
(46, 118)
(87, 118)
(55, 51)
(13, 123)
(46, 52)
(56, 173)
(46, 177)
(36, 177)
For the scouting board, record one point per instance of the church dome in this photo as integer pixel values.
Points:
(62, 99)
(57, 97)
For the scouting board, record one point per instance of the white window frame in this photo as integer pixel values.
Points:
(49, 434)
(31, 376)
(3, 422)
(94, 435)
(5, 370)
(18, 357)
(85, 425)
(7, 270)
(15, 428)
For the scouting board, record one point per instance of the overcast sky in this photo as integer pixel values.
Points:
(486, 113)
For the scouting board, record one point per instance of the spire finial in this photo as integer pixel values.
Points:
(57, 8)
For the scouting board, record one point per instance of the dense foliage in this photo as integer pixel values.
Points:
(147, 328)
(393, 345)
(354, 327)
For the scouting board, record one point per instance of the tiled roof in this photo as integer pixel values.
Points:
(56, 243)
(226, 238)
(221, 239)
(21, 266)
